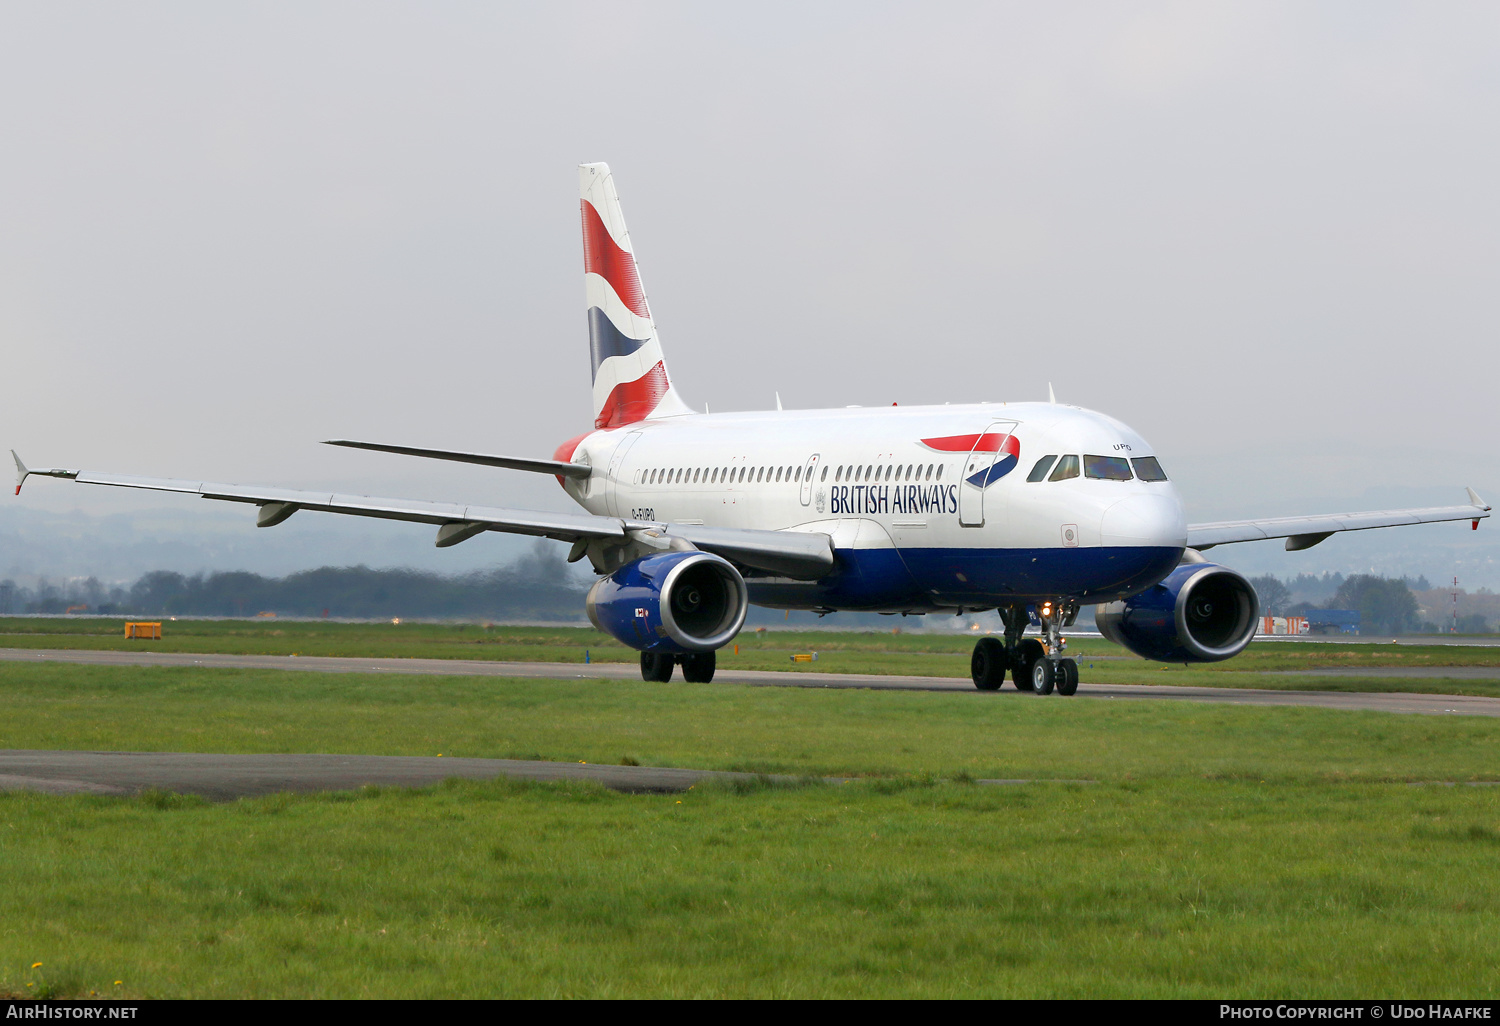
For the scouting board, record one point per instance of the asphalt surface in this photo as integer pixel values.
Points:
(1410, 672)
(1395, 702)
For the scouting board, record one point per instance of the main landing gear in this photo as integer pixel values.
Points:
(1033, 666)
(697, 668)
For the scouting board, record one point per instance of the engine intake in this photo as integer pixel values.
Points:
(677, 602)
(1201, 613)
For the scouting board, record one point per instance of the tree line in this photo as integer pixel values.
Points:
(1386, 605)
(535, 588)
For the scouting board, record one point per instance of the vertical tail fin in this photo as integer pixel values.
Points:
(631, 381)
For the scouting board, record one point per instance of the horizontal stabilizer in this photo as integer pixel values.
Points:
(557, 467)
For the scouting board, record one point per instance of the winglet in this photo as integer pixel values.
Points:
(1051, 395)
(1474, 498)
(23, 471)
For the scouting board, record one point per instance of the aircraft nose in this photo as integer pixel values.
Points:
(1144, 520)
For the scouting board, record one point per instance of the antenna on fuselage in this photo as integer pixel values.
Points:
(778, 402)
(1051, 395)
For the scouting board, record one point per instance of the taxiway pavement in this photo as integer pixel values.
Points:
(1394, 702)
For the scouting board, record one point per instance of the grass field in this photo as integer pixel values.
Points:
(919, 654)
(1153, 889)
(1223, 851)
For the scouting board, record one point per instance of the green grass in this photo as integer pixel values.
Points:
(1224, 852)
(904, 653)
(896, 652)
(772, 730)
(1155, 889)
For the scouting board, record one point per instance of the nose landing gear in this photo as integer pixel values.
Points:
(1033, 665)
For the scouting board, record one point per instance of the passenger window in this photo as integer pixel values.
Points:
(1107, 468)
(824, 477)
(1067, 467)
(889, 471)
(1040, 470)
(929, 471)
(868, 472)
(1147, 469)
(940, 472)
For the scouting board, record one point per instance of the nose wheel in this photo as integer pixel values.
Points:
(1033, 666)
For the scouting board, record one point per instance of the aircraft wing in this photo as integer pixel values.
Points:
(802, 555)
(1305, 532)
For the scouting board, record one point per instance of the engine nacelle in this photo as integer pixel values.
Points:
(678, 602)
(1201, 613)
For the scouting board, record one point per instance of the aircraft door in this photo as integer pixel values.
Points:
(984, 466)
(617, 470)
(807, 478)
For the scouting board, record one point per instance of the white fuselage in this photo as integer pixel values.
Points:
(920, 518)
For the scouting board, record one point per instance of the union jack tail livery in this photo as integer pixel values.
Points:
(631, 381)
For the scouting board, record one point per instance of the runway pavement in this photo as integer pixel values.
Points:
(1395, 702)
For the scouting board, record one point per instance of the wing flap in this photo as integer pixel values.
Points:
(795, 554)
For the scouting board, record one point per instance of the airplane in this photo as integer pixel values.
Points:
(1034, 509)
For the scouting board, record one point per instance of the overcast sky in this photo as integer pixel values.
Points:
(1265, 235)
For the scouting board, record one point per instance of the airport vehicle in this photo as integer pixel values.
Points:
(1034, 509)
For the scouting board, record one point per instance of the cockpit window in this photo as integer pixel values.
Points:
(1147, 469)
(1066, 467)
(1107, 468)
(1040, 470)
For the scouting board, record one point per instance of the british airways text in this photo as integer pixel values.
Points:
(894, 498)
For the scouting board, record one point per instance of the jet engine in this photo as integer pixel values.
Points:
(1200, 613)
(675, 602)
